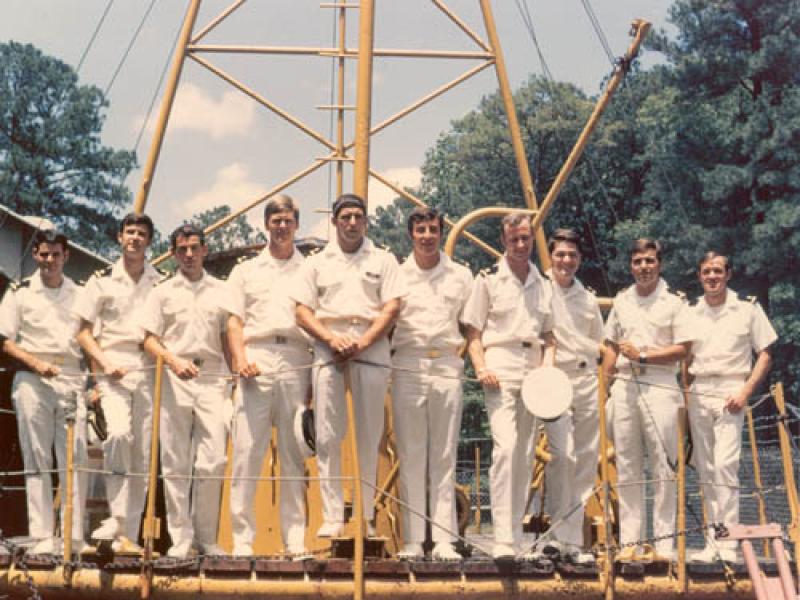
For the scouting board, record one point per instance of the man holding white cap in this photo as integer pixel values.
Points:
(508, 318)
(643, 348)
(268, 350)
(426, 386)
(725, 330)
(573, 439)
(348, 297)
(109, 333)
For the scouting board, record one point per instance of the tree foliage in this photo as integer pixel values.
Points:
(52, 162)
(236, 234)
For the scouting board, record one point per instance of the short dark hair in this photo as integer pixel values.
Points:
(348, 201)
(186, 230)
(49, 236)
(644, 245)
(564, 235)
(515, 219)
(137, 219)
(712, 254)
(424, 213)
(281, 203)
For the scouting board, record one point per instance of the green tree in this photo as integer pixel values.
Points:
(236, 234)
(52, 162)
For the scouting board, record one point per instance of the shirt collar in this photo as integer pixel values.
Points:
(575, 288)
(334, 249)
(731, 303)
(181, 280)
(505, 271)
(119, 273)
(266, 258)
(37, 285)
(413, 270)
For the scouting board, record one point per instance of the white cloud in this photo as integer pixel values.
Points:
(402, 177)
(233, 186)
(232, 114)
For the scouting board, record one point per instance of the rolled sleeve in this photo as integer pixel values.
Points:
(151, 319)
(476, 310)
(393, 284)
(303, 288)
(763, 334)
(87, 303)
(234, 289)
(9, 317)
(612, 327)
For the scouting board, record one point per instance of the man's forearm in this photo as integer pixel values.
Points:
(381, 324)
(153, 346)
(235, 336)
(759, 372)
(26, 358)
(309, 322)
(88, 343)
(668, 354)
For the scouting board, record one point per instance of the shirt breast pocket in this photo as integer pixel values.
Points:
(371, 284)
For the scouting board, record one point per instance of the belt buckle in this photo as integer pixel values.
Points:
(582, 364)
(281, 339)
(433, 354)
(527, 344)
(57, 360)
(355, 321)
(198, 362)
(638, 369)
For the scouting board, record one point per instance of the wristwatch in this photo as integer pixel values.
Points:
(643, 357)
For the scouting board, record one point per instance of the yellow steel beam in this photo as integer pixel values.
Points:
(166, 107)
(477, 215)
(217, 20)
(366, 43)
(525, 178)
(347, 53)
(461, 24)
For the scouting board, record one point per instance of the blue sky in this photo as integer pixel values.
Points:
(222, 148)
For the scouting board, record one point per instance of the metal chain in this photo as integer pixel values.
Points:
(719, 531)
(19, 558)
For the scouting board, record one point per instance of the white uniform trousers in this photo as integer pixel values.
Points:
(646, 416)
(264, 402)
(193, 432)
(717, 439)
(427, 421)
(127, 405)
(42, 407)
(573, 442)
(369, 385)
(512, 428)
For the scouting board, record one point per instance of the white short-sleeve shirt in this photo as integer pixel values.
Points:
(40, 319)
(111, 301)
(578, 325)
(434, 305)
(507, 311)
(259, 291)
(188, 316)
(341, 285)
(648, 322)
(724, 338)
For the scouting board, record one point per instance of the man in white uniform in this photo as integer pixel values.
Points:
(643, 348)
(725, 332)
(427, 407)
(509, 318)
(264, 339)
(37, 328)
(184, 323)
(348, 297)
(108, 307)
(574, 438)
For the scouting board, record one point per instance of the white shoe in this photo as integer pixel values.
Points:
(706, 556)
(330, 529)
(445, 551)
(44, 546)
(370, 531)
(411, 552)
(242, 550)
(122, 545)
(298, 553)
(211, 550)
(577, 556)
(180, 550)
(729, 555)
(503, 551)
(107, 530)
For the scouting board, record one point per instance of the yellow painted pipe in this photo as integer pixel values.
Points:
(366, 30)
(607, 575)
(92, 584)
(683, 580)
(150, 523)
(358, 500)
(69, 506)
